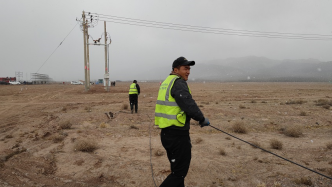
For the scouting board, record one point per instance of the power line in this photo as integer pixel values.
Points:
(210, 30)
(226, 33)
(56, 48)
(118, 17)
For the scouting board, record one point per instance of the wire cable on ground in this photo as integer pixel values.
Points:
(151, 153)
(56, 49)
(272, 153)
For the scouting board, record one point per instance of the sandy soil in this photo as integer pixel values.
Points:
(36, 151)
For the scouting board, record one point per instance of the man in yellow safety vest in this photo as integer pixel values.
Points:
(174, 109)
(134, 91)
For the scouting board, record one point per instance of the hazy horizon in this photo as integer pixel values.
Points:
(32, 30)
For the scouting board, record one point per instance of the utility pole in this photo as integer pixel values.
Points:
(88, 57)
(85, 61)
(106, 68)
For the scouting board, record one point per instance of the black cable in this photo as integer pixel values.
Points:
(151, 153)
(182, 25)
(272, 153)
(224, 32)
(56, 48)
(209, 29)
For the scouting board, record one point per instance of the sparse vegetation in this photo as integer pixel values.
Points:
(65, 125)
(198, 140)
(303, 180)
(276, 144)
(242, 106)
(294, 131)
(159, 153)
(322, 102)
(222, 152)
(326, 106)
(329, 145)
(239, 127)
(302, 113)
(88, 108)
(57, 138)
(133, 127)
(85, 145)
(298, 102)
(124, 106)
(103, 125)
(9, 136)
(256, 144)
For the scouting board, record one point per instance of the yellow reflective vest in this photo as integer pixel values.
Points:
(133, 89)
(167, 112)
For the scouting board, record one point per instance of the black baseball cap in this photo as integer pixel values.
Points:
(181, 61)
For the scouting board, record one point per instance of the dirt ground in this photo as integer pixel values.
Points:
(39, 148)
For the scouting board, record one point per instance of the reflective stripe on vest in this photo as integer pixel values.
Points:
(167, 112)
(133, 89)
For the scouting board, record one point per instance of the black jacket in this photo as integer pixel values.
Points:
(138, 89)
(183, 98)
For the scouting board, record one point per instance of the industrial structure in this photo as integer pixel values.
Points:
(38, 78)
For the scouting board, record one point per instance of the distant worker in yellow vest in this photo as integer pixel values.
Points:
(174, 109)
(134, 91)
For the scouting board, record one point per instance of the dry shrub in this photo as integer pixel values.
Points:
(276, 144)
(294, 131)
(124, 106)
(64, 109)
(253, 101)
(329, 171)
(222, 152)
(326, 106)
(261, 185)
(217, 102)
(159, 153)
(85, 145)
(299, 102)
(242, 106)
(264, 102)
(276, 184)
(239, 127)
(57, 138)
(198, 140)
(65, 125)
(9, 136)
(322, 102)
(256, 144)
(87, 108)
(228, 138)
(133, 127)
(329, 145)
(302, 113)
(303, 180)
(102, 125)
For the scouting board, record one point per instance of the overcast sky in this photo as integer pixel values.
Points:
(32, 30)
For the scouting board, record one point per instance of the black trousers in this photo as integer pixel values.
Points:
(178, 148)
(133, 100)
